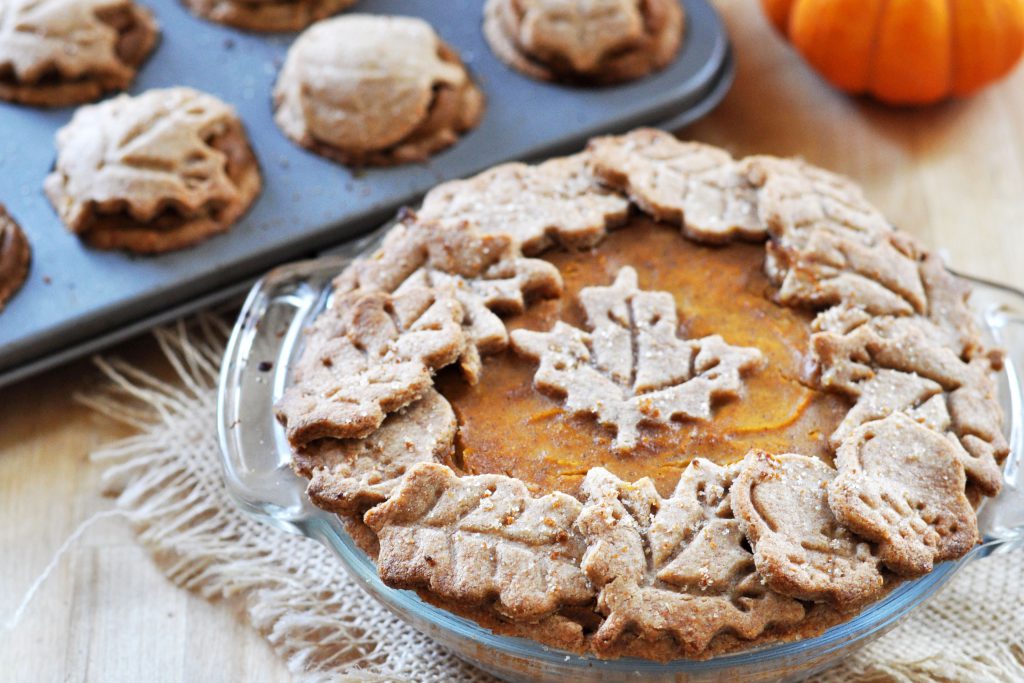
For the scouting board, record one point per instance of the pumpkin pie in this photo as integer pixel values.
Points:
(369, 90)
(597, 42)
(15, 255)
(56, 53)
(267, 15)
(649, 400)
(159, 171)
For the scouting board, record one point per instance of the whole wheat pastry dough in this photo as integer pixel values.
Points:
(60, 52)
(151, 173)
(632, 367)
(15, 256)
(588, 41)
(556, 202)
(751, 548)
(267, 15)
(374, 90)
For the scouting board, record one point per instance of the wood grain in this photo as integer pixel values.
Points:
(953, 175)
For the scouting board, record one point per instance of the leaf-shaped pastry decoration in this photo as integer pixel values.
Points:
(674, 567)
(902, 485)
(486, 274)
(696, 186)
(799, 547)
(558, 201)
(350, 475)
(829, 244)
(853, 352)
(76, 39)
(581, 33)
(633, 368)
(371, 354)
(481, 539)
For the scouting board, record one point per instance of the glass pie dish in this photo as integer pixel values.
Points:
(267, 339)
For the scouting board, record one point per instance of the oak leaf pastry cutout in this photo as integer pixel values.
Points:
(15, 256)
(676, 567)
(632, 368)
(556, 202)
(267, 15)
(850, 349)
(152, 173)
(351, 475)
(487, 274)
(478, 539)
(799, 547)
(369, 90)
(901, 485)
(373, 354)
(55, 53)
(829, 245)
(699, 187)
(584, 41)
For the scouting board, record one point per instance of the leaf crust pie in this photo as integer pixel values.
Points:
(152, 173)
(368, 90)
(55, 53)
(733, 414)
(596, 42)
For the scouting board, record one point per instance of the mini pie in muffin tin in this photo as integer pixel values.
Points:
(152, 173)
(630, 442)
(60, 52)
(374, 90)
(599, 42)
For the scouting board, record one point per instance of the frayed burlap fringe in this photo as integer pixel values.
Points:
(291, 589)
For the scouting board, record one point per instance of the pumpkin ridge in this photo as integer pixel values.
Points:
(954, 59)
(869, 83)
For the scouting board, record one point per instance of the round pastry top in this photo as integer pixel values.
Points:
(368, 89)
(62, 52)
(152, 172)
(650, 400)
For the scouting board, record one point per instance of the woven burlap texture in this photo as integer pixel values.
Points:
(168, 480)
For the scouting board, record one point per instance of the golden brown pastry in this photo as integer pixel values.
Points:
(584, 41)
(376, 91)
(731, 416)
(59, 52)
(152, 173)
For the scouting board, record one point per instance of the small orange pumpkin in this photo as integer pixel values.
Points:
(904, 51)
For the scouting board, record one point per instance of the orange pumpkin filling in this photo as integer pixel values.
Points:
(506, 426)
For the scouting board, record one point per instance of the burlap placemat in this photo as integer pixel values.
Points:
(167, 480)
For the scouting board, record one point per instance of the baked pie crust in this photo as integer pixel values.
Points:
(152, 173)
(15, 256)
(267, 15)
(55, 53)
(550, 443)
(598, 42)
(369, 90)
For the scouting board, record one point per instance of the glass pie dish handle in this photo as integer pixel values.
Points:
(254, 374)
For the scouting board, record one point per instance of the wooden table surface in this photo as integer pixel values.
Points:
(953, 175)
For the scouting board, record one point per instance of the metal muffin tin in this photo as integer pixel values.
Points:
(79, 299)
